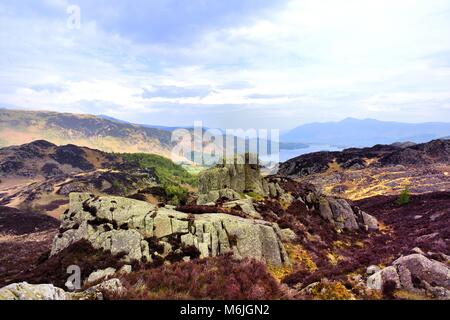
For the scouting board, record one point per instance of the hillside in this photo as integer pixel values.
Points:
(241, 236)
(379, 170)
(40, 175)
(18, 127)
(367, 132)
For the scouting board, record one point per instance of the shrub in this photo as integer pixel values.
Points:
(389, 288)
(331, 290)
(172, 177)
(220, 278)
(403, 199)
(176, 194)
(255, 196)
(118, 186)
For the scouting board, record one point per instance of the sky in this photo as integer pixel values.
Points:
(230, 64)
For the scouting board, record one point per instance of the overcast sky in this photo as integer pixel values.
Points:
(229, 63)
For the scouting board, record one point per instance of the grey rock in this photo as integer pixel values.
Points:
(420, 267)
(246, 205)
(162, 226)
(100, 274)
(369, 221)
(377, 280)
(212, 234)
(325, 210)
(26, 291)
(213, 195)
(287, 235)
(237, 176)
(415, 273)
(112, 286)
(372, 269)
(126, 269)
(343, 214)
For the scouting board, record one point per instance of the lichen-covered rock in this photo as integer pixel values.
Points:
(378, 279)
(372, 269)
(416, 266)
(325, 210)
(100, 274)
(285, 235)
(213, 195)
(370, 222)
(342, 215)
(140, 230)
(246, 206)
(111, 286)
(26, 291)
(415, 273)
(240, 177)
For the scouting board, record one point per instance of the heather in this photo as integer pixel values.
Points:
(218, 278)
(53, 269)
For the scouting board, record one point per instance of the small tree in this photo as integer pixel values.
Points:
(403, 199)
(176, 194)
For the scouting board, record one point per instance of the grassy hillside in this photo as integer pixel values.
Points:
(19, 127)
(176, 180)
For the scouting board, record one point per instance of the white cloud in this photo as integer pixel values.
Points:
(310, 61)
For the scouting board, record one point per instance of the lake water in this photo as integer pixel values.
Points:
(289, 154)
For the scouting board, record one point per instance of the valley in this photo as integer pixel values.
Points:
(328, 225)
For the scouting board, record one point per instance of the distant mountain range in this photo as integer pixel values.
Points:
(113, 135)
(362, 133)
(100, 132)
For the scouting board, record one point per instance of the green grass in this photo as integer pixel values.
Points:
(167, 171)
(173, 177)
(194, 170)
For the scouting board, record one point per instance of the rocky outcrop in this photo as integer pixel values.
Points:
(415, 273)
(144, 232)
(340, 213)
(240, 177)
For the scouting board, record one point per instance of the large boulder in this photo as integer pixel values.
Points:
(139, 230)
(341, 214)
(26, 291)
(415, 273)
(416, 267)
(378, 280)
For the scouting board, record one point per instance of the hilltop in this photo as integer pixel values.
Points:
(18, 127)
(357, 173)
(40, 175)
